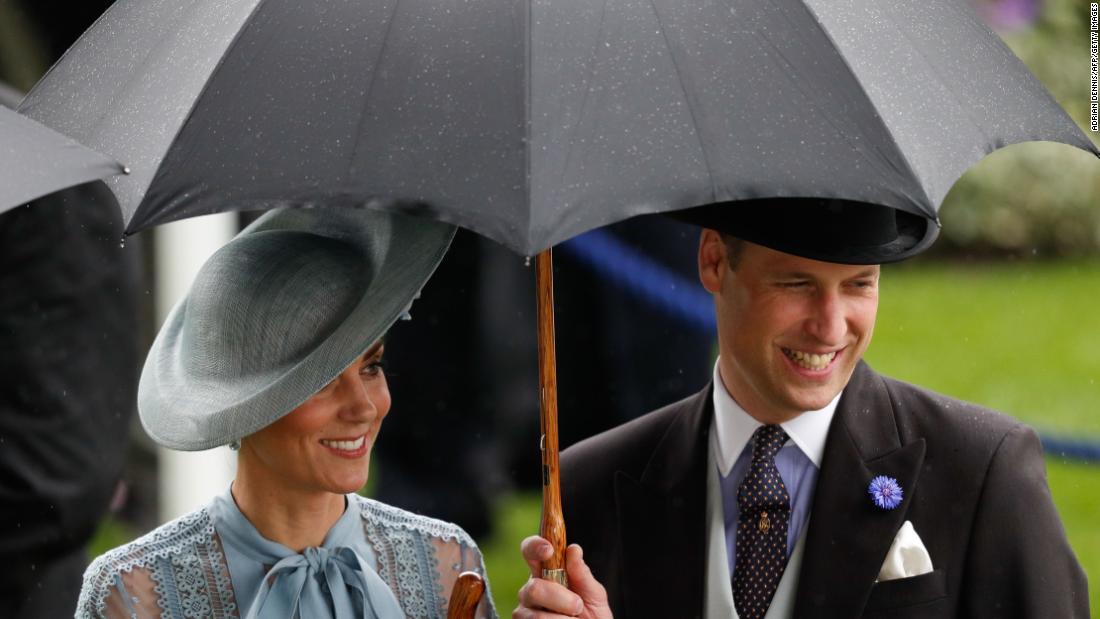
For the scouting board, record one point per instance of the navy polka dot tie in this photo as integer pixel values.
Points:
(762, 527)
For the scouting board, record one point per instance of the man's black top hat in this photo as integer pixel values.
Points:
(841, 231)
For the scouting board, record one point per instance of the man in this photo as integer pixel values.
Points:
(801, 483)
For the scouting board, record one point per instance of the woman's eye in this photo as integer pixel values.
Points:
(373, 368)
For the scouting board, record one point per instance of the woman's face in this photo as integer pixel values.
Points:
(325, 443)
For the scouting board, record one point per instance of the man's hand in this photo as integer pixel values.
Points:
(543, 599)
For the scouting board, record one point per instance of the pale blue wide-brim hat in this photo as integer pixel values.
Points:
(276, 314)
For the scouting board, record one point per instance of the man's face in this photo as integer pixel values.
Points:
(790, 329)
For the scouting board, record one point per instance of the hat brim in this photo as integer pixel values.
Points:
(779, 224)
(182, 414)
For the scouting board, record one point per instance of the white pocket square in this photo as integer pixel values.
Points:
(907, 556)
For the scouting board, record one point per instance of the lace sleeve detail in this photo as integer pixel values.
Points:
(454, 558)
(177, 570)
(420, 558)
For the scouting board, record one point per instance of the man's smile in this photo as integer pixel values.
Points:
(811, 361)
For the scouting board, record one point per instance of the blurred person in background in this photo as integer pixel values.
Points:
(69, 332)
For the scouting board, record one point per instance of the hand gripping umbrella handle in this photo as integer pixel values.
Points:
(465, 596)
(552, 526)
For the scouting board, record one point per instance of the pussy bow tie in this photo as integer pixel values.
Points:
(324, 583)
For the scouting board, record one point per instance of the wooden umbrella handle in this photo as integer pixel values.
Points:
(465, 596)
(552, 526)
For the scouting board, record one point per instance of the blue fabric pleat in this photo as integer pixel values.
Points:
(322, 582)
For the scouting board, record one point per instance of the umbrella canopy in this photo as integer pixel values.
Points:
(534, 121)
(35, 161)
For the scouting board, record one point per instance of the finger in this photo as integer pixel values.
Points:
(535, 550)
(581, 579)
(527, 613)
(545, 595)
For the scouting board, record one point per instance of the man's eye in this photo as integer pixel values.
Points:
(795, 284)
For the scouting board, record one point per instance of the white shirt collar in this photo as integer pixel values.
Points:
(734, 427)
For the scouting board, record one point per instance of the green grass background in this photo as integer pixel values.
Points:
(1021, 337)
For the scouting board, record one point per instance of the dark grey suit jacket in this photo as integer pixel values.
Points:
(975, 490)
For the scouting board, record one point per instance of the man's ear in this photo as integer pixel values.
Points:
(712, 260)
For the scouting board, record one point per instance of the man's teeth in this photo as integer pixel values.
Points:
(345, 445)
(810, 361)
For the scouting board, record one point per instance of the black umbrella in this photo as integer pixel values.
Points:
(537, 120)
(35, 161)
(534, 121)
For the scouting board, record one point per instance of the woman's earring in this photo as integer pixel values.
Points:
(235, 445)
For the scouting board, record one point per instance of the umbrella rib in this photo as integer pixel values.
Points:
(587, 91)
(133, 222)
(687, 101)
(958, 105)
(823, 113)
(370, 86)
(966, 110)
(29, 109)
(932, 70)
(528, 123)
(908, 169)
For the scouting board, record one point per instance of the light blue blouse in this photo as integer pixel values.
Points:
(376, 561)
(337, 579)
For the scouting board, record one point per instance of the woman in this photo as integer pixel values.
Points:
(277, 352)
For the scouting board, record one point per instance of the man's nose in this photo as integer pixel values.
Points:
(828, 323)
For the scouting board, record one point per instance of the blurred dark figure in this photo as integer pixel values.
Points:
(68, 358)
(467, 425)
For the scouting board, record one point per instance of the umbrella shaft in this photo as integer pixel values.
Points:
(553, 524)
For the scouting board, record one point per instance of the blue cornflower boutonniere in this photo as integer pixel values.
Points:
(885, 492)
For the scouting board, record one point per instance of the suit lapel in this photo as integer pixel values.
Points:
(849, 537)
(663, 517)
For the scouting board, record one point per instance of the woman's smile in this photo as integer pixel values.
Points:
(352, 448)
